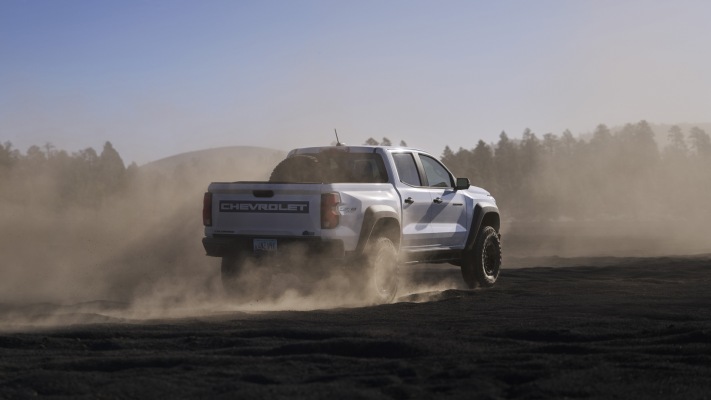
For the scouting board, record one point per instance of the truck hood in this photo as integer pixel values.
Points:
(479, 192)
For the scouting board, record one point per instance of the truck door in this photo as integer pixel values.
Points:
(416, 204)
(449, 223)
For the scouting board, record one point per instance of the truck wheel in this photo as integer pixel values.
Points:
(241, 281)
(383, 269)
(297, 169)
(231, 268)
(482, 264)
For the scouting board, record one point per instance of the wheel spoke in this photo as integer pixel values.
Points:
(490, 257)
(384, 269)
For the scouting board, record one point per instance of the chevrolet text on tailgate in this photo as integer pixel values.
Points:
(368, 209)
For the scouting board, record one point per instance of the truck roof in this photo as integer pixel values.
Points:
(346, 148)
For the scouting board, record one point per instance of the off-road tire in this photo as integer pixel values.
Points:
(236, 285)
(382, 269)
(230, 268)
(297, 169)
(481, 265)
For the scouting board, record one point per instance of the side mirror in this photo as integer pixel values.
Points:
(462, 184)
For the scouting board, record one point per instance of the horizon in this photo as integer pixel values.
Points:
(660, 132)
(164, 78)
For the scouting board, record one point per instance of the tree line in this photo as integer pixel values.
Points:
(610, 175)
(620, 174)
(58, 179)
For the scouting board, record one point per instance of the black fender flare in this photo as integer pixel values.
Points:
(480, 211)
(372, 215)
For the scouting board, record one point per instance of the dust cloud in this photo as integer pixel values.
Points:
(138, 255)
(614, 192)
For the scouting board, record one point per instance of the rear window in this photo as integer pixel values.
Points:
(331, 166)
(342, 167)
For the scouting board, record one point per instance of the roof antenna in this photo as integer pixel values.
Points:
(338, 141)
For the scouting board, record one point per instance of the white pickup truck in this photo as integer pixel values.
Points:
(370, 209)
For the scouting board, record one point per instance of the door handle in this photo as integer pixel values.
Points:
(437, 200)
(409, 200)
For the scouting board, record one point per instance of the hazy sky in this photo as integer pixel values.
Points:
(157, 78)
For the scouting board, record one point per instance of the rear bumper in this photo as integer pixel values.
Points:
(225, 246)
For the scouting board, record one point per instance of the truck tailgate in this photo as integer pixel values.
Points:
(266, 209)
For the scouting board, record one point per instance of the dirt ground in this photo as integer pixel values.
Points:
(550, 328)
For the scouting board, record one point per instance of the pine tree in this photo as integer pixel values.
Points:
(700, 142)
(111, 169)
(8, 155)
(601, 137)
(677, 148)
(483, 165)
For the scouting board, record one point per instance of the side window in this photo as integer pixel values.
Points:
(407, 169)
(437, 175)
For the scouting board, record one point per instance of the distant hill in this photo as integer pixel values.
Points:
(220, 164)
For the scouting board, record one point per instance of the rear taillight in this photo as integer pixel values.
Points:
(329, 210)
(207, 209)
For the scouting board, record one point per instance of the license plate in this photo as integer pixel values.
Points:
(265, 245)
